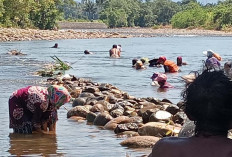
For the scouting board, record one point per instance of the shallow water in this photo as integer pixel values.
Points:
(77, 138)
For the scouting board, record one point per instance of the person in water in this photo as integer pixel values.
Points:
(179, 61)
(169, 66)
(34, 107)
(227, 69)
(212, 61)
(114, 52)
(207, 102)
(87, 52)
(55, 46)
(134, 61)
(161, 80)
(139, 65)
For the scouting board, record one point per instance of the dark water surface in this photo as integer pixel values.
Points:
(77, 138)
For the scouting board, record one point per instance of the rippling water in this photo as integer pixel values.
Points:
(76, 138)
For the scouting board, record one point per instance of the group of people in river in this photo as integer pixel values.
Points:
(207, 102)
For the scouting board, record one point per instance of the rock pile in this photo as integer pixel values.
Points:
(143, 120)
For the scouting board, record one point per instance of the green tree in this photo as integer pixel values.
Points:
(90, 9)
(165, 9)
(16, 13)
(45, 14)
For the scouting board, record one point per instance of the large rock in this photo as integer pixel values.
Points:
(158, 129)
(91, 117)
(160, 116)
(81, 111)
(140, 141)
(102, 119)
(79, 102)
(126, 127)
(111, 125)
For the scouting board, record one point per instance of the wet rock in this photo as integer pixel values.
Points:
(81, 111)
(104, 87)
(125, 104)
(90, 117)
(146, 115)
(112, 99)
(85, 94)
(179, 118)
(117, 112)
(79, 102)
(136, 119)
(166, 101)
(128, 134)
(160, 116)
(140, 141)
(111, 125)
(107, 106)
(158, 129)
(180, 105)
(91, 101)
(91, 90)
(173, 109)
(102, 119)
(97, 108)
(126, 127)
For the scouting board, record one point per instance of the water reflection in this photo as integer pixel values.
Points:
(33, 144)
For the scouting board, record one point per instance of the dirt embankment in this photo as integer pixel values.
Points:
(14, 34)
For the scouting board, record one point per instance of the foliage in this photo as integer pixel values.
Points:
(194, 17)
(165, 9)
(60, 65)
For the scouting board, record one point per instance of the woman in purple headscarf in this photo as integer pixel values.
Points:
(33, 106)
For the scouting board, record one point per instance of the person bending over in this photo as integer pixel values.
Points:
(169, 66)
(34, 108)
(208, 103)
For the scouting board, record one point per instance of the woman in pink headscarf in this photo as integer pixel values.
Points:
(33, 106)
(161, 79)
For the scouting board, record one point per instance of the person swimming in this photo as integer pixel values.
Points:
(55, 46)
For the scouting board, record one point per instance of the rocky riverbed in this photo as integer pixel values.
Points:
(143, 120)
(14, 34)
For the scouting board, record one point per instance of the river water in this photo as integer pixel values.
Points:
(78, 138)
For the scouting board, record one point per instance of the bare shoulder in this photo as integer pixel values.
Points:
(166, 147)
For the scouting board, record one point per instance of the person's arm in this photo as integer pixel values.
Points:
(119, 53)
(36, 118)
(166, 68)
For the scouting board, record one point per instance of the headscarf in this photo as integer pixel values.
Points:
(58, 95)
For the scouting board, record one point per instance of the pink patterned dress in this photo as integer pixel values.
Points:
(29, 107)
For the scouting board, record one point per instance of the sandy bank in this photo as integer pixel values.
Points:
(14, 34)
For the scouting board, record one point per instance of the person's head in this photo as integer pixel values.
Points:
(134, 61)
(114, 46)
(208, 102)
(56, 45)
(208, 53)
(58, 95)
(139, 65)
(120, 45)
(227, 66)
(179, 61)
(86, 52)
(160, 78)
(161, 60)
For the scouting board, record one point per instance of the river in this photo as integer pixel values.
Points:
(78, 138)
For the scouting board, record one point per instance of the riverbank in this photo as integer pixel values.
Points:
(15, 34)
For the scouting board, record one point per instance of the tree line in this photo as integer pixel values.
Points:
(44, 14)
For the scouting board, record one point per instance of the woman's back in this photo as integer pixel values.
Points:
(213, 146)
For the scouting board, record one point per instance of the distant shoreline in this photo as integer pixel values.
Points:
(15, 34)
